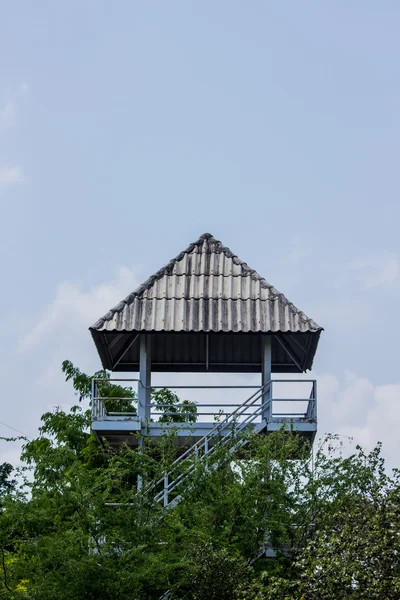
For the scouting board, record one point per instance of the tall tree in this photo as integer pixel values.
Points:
(74, 527)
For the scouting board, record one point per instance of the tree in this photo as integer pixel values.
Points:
(333, 522)
(354, 552)
(167, 402)
(6, 484)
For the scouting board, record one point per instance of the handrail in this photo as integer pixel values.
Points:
(187, 387)
(112, 399)
(218, 428)
(202, 387)
(222, 408)
(258, 404)
(223, 424)
(172, 485)
(105, 379)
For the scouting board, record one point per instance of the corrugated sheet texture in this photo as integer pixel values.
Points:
(206, 288)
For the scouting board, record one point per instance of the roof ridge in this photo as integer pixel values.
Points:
(169, 266)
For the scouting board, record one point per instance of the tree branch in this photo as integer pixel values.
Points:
(4, 581)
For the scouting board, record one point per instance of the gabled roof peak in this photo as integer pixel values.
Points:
(214, 246)
(206, 272)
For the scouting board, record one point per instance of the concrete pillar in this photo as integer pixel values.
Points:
(266, 373)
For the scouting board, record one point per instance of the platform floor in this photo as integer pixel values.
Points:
(117, 431)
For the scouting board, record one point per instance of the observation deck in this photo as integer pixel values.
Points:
(206, 311)
(289, 403)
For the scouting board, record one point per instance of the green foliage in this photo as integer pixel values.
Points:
(354, 552)
(82, 385)
(334, 522)
(166, 402)
(175, 410)
(6, 483)
(217, 574)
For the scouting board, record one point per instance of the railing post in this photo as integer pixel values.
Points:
(266, 375)
(311, 412)
(140, 478)
(94, 402)
(234, 426)
(206, 451)
(315, 398)
(166, 489)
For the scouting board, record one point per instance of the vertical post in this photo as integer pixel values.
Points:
(266, 375)
(145, 379)
(166, 489)
(144, 391)
(315, 398)
(206, 452)
(311, 412)
(94, 408)
(140, 478)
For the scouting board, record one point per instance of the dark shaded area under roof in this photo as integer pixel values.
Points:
(202, 352)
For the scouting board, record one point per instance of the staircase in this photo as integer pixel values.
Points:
(223, 433)
(169, 489)
(253, 415)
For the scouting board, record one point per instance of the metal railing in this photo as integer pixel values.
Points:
(206, 446)
(100, 404)
(261, 408)
(279, 407)
(251, 415)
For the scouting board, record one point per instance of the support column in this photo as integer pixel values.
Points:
(266, 374)
(144, 391)
(145, 379)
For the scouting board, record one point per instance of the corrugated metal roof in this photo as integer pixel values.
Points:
(206, 288)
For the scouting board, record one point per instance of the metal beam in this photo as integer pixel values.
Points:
(125, 349)
(115, 340)
(296, 341)
(286, 348)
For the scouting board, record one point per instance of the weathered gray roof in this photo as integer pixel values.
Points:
(206, 288)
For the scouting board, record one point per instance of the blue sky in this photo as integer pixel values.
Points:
(128, 129)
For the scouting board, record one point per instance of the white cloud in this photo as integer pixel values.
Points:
(7, 114)
(380, 270)
(76, 309)
(61, 332)
(10, 175)
(357, 408)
